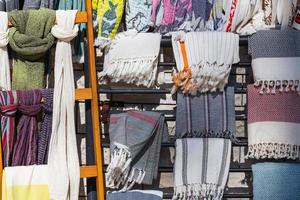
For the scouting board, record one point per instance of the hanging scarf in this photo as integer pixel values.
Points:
(203, 60)
(168, 16)
(267, 6)
(25, 148)
(296, 24)
(137, 65)
(206, 115)
(156, 13)
(36, 4)
(183, 14)
(46, 127)
(30, 39)
(276, 181)
(275, 60)
(201, 168)
(4, 62)
(135, 194)
(63, 159)
(25, 183)
(135, 139)
(198, 17)
(8, 108)
(214, 15)
(138, 14)
(9, 5)
(273, 125)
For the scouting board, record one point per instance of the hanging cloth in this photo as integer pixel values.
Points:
(183, 14)
(46, 127)
(136, 194)
(63, 161)
(25, 148)
(8, 108)
(30, 38)
(156, 13)
(9, 5)
(168, 16)
(37, 4)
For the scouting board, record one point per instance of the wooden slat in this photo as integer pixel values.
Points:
(83, 94)
(88, 171)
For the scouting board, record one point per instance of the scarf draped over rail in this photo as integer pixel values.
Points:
(136, 194)
(63, 161)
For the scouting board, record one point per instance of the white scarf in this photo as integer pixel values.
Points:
(4, 62)
(63, 159)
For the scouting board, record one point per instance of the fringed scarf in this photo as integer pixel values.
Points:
(135, 142)
(136, 194)
(275, 60)
(25, 148)
(8, 108)
(203, 60)
(30, 38)
(138, 64)
(206, 115)
(201, 168)
(273, 125)
(276, 181)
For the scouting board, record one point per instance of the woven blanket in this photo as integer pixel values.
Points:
(276, 181)
(203, 60)
(135, 139)
(206, 115)
(137, 65)
(30, 38)
(136, 194)
(273, 125)
(201, 168)
(275, 60)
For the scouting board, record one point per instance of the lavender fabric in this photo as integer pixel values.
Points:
(25, 149)
(46, 127)
(183, 14)
(134, 195)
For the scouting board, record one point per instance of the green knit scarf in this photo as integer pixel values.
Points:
(30, 38)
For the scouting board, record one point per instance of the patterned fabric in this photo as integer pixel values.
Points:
(156, 13)
(267, 5)
(25, 149)
(183, 14)
(9, 5)
(231, 15)
(276, 181)
(201, 168)
(206, 115)
(8, 108)
(169, 15)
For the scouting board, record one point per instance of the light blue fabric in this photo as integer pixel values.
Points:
(276, 181)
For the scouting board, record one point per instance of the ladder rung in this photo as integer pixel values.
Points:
(83, 94)
(88, 171)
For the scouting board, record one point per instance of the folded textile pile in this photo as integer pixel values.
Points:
(273, 125)
(201, 168)
(135, 139)
(203, 60)
(206, 115)
(275, 60)
(136, 194)
(132, 58)
(276, 181)
(25, 183)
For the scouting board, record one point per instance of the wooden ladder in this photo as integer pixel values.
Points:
(86, 94)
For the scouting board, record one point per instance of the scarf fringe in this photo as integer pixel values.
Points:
(211, 134)
(273, 150)
(271, 86)
(208, 77)
(198, 191)
(139, 71)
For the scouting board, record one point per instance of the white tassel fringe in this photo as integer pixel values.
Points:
(273, 86)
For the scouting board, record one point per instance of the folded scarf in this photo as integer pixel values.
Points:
(206, 115)
(135, 139)
(36, 4)
(30, 39)
(138, 13)
(9, 5)
(25, 148)
(4, 62)
(63, 161)
(201, 168)
(135, 194)
(25, 183)
(276, 181)
(138, 64)
(8, 108)
(203, 60)
(273, 125)
(275, 60)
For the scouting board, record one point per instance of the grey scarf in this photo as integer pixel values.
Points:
(36, 4)
(9, 5)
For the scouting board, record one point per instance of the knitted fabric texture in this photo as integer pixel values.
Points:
(8, 108)
(201, 168)
(275, 60)
(135, 139)
(46, 127)
(137, 65)
(135, 194)
(273, 125)
(30, 39)
(203, 60)
(276, 181)
(25, 148)
(9, 5)
(206, 115)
